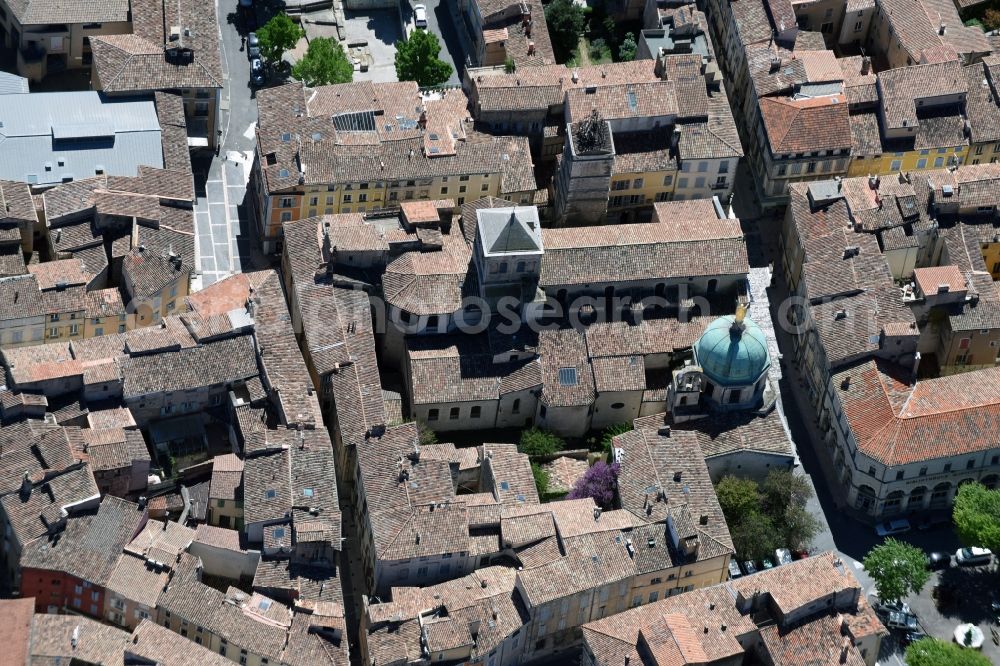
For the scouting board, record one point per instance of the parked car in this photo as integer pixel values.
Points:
(800, 554)
(933, 521)
(420, 16)
(971, 557)
(886, 607)
(253, 46)
(783, 556)
(906, 621)
(890, 527)
(246, 3)
(766, 564)
(749, 568)
(914, 636)
(734, 570)
(938, 560)
(257, 72)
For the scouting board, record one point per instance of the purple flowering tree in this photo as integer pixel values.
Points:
(599, 483)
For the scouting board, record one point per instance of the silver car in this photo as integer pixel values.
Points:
(420, 16)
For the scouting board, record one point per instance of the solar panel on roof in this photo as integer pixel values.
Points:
(633, 102)
(357, 121)
(567, 376)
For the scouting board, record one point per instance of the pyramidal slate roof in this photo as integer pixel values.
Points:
(507, 230)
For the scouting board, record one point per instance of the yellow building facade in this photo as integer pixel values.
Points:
(631, 190)
(364, 197)
(913, 160)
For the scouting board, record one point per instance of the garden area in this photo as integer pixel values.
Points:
(562, 469)
(586, 35)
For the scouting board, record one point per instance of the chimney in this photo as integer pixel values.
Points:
(942, 28)
(576, 76)
(844, 648)
(483, 583)
(866, 65)
(531, 48)
(422, 121)
(26, 485)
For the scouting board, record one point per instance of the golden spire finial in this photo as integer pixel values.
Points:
(741, 313)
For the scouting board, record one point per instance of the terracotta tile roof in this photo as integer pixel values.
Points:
(832, 268)
(619, 373)
(15, 632)
(736, 432)
(30, 516)
(860, 89)
(218, 362)
(62, 273)
(53, 638)
(42, 12)
(136, 579)
(538, 88)
(752, 22)
(866, 137)
(715, 139)
(517, 38)
(567, 378)
(204, 606)
(284, 371)
(425, 283)
(916, 24)
(16, 203)
(227, 477)
(638, 153)
(400, 492)
(485, 597)
(634, 252)
(89, 546)
(459, 369)
(619, 102)
(818, 642)
(218, 537)
(807, 125)
(159, 645)
(655, 466)
(900, 89)
(20, 298)
(564, 472)
(929, 280)
(898, 423)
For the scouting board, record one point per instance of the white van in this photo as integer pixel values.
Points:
(973, 556)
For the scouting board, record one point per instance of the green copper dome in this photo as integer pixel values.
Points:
(732, 354)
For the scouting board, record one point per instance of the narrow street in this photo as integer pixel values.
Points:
(225, 243)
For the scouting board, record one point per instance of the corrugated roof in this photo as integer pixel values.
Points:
(46, 138)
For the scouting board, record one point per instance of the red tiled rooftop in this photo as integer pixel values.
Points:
(931, 280)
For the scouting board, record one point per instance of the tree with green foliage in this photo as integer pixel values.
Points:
(754, 536)
(784, 496)
(509, 66)
(278, 35)
(897, 569)
(538, 442)
(417, 60)
(425, 435)
(977, 516)
(627, 49)
(933, 652)
(324, 63)
(566, 22)
(737, 497)
(541, 479)
(608, 436)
